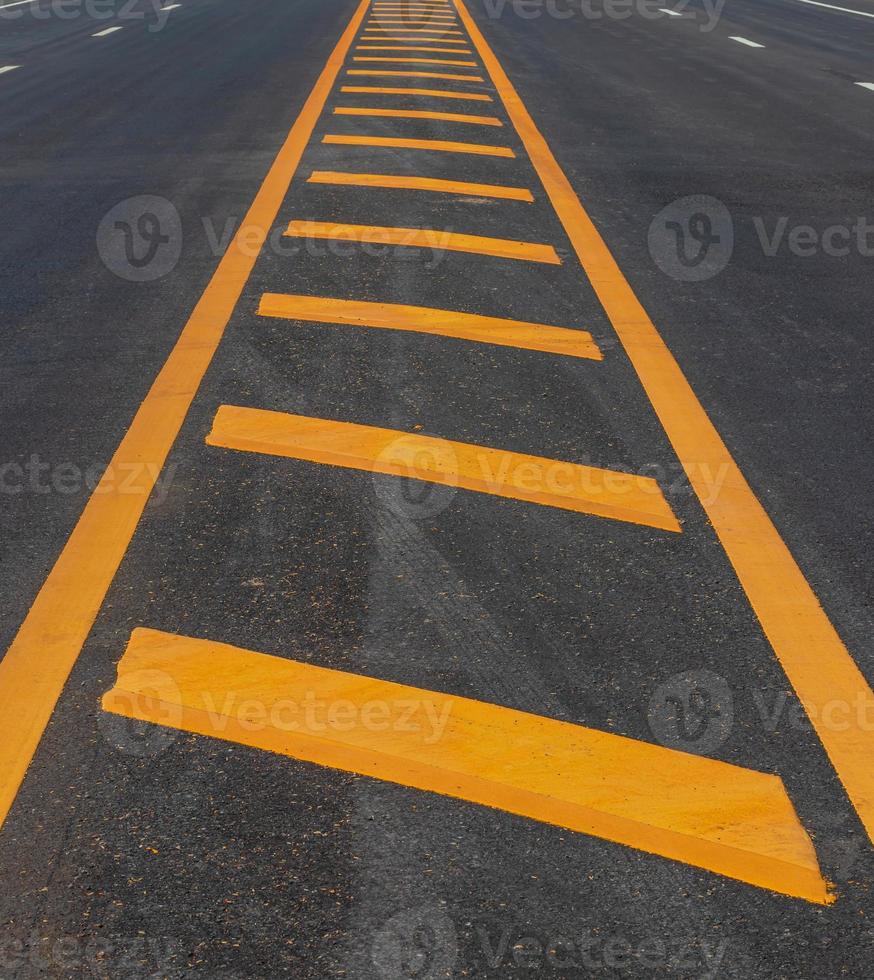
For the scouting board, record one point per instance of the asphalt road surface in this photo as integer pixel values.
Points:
(435, 489)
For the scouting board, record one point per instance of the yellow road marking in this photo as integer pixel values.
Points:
(421, 184)
(423, 319)
(416, 31)
(712, 815)
(418, 61)
(442, 146)
(38, 663)
(459, 117)
(434, 93)
(408, 41)
(435, 238)
(439, 21)
(409, 47)
(382, 73)
(835, 694)
(516, 476)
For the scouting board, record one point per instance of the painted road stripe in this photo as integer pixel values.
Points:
(417, 61)
(109, 30)
(38, 663)
(434, 238)
(415, 40)
(441, 146)
(809, 649)
(6, 68)
(421, 184)
(867, 85)
(516, 476)
(747, 42)
(17, 3)
(439, 21)
(408, 47)
(412, 31)
(433, 93)
(442, 323)
(383, 73)
(459, 117)
(843, 10)
(672, 13)
(709, 814)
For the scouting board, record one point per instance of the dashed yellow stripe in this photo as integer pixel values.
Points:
(459, 117)
(532, 479)
(434, 238)
(434, 93)
(421, 184)
(418, 61)
(709, 814)
(384, 72)
(439, 146)
(423, 319)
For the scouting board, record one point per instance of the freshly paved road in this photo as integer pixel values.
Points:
(144, 851)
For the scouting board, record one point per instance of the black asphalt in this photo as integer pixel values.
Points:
(139, 853)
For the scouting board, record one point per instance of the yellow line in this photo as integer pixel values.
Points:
(414, 40)
(709, 814)
(442, 32)
(459, 117)
(423, 319)
(434, 93)
(443, 146)
(835, 694)
(517, 476)
(439, 21)
(433, 238)
(382, 73)
(419, 61)
(422, 184)
(408, 47)
(37, 664)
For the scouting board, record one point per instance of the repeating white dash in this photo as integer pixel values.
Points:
(667, 10)
(747, 42)
(172, 6)
(6, 68)
(867, 85)
(18, 3)
(109, 30)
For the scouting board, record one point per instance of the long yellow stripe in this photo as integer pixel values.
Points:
(709, 814)
(416, 40)
(433, 238)
(459, 117)
(439, 21)
(434, 93)
(835, 694)
(442, 146)
(441, 32)
(38, 663)
(408, 47)
(382, 73)
(418, 61)
(516, 476)
(423, 319)
(421, 184)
